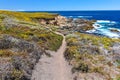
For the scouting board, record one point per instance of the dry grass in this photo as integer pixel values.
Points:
(28, 17)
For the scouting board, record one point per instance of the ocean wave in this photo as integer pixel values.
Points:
(109, 34)
(104, 32)
(71, 16)
(84, 16)
(105, 21)
(101, 29)
(91, 31)
(96, 26)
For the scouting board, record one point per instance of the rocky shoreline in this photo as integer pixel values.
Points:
(92, 56)
(23, 39)
(79, 25)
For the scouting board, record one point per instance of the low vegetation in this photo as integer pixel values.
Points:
(29, 17)
(23, 40)
(21, 45)
(92, 54)
(44, 38)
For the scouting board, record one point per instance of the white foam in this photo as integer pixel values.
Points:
(84, 16)
(91, 31)
(113, 22)
(71, 16)
(98, 28)
(105, 21)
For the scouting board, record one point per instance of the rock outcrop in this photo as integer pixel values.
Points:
(61, 21)
(58, 20)
(79, 25)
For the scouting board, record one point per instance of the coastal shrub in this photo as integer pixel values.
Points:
(44, 38)
(58, 44)
(2, 28)
(118, 63)
(117, 78)
(71, 52)
(97, 40)
(98, 69)
(1, 19)
(86, 54)
(16, 74)
(28, 17)
(81, 67)
(5, 44)
(23, 41)
(6, 53)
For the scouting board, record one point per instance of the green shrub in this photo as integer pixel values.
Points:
(81, 67)
(28, 17)
(16, 74)
(84, 53)
(6, 53)
(44, 38)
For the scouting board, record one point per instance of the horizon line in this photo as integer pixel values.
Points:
(52, 10)
(57, 10)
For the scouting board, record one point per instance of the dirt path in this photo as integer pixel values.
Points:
(53, 68)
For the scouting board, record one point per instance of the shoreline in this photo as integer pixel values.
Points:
(25, 38)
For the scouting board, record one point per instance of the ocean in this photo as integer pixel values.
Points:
(107, 24)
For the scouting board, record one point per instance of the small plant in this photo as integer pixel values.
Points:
(118, 63)
(81, 67)
(16, 74)
(117, 78)
(6, 53)
(98, 70)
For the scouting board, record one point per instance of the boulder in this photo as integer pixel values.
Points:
(61, 21)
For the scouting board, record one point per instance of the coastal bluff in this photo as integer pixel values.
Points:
(46, 46)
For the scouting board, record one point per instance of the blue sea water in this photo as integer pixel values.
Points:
(98, 15)
(106, 20)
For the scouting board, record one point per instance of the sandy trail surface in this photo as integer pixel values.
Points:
(54, 67)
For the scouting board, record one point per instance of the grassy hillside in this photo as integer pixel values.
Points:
(21, 44)
(26, 32)
(29, 17)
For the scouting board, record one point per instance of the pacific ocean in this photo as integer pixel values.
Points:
(108, 21)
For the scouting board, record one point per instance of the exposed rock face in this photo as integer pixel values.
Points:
(61, 21)
(42, 21)
(52, 22)
(80, 25)
(114, 30)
